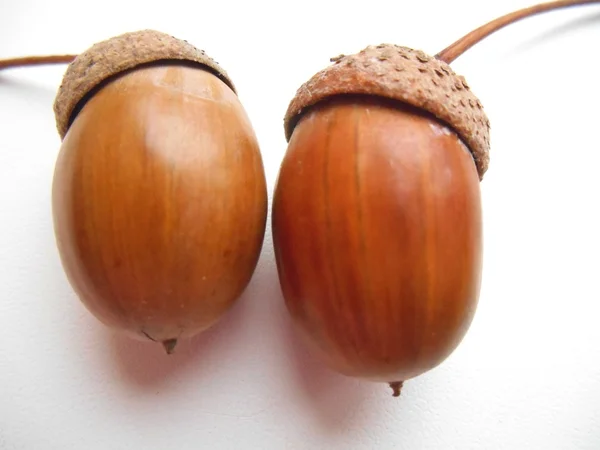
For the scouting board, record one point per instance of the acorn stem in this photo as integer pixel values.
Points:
(456, 49)
(396, 388)
(35, 61)
(169, 345)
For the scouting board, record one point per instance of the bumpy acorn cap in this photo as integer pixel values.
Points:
(118, 54)
(406, 75)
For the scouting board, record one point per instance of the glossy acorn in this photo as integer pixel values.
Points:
(159, 195)
(376, 215)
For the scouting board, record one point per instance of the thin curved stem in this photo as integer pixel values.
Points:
(456, 49)
(35, 61)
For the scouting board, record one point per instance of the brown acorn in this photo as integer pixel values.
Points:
(376, 217)
(159, 195)
(377, 213)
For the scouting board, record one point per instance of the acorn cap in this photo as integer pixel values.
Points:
(118, 54)
(406, 75)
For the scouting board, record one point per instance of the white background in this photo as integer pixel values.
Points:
(527, 376)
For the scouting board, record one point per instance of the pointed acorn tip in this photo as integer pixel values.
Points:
(396, 388)
(169, 345)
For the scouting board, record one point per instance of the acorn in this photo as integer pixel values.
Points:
(159, 194)
(376, 216)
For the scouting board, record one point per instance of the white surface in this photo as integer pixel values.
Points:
(527, 376)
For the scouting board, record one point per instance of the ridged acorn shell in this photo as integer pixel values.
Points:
(406, 75)
(118, 54)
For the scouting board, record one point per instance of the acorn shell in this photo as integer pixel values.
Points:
(159, 195)
(406, 75)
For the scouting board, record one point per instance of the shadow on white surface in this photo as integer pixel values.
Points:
(32, 93)
(335, 402)
(145, 365)
(553, 34)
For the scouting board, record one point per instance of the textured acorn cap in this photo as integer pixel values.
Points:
(406, 75)
(118, 54)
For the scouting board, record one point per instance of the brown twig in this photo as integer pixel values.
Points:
(456, 49)
(35, 61)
